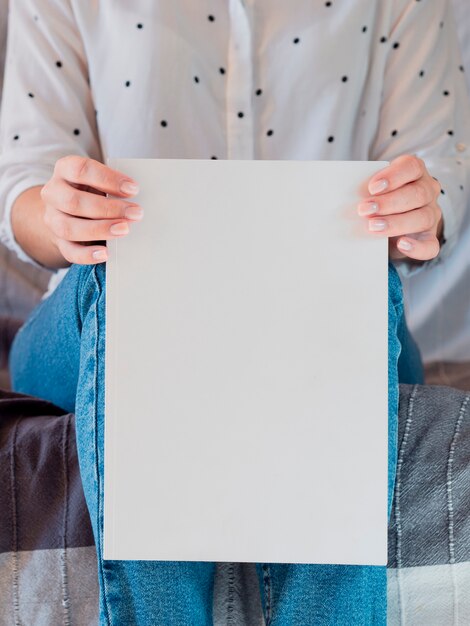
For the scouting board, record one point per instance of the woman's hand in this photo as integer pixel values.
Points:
(79, 216)
(403, 206)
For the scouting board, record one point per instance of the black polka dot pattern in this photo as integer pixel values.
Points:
(262, 115)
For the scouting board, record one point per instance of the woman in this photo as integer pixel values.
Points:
(235, 79)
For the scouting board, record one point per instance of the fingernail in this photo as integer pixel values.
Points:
(130, 189)
(377, 225)
(134, 213)
(405, 245)
(378, 186)
(119, 229)
(367, 208)
(100, 255)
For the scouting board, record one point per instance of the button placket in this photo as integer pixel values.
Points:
(239, 85)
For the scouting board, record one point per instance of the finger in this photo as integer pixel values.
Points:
(83, 171)
(412, 196)
(77, 229)
(81, 254)
(420, 249)
(64, 197)
(402, 170)
(417, 221)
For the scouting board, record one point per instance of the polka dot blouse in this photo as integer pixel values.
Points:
(232, 79)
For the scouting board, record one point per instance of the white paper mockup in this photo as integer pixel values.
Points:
(246, 366)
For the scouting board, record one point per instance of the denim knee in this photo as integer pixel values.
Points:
(395, 291)
(91, 280)
(45, 356)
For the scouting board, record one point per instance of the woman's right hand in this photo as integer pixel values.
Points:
(78, 215)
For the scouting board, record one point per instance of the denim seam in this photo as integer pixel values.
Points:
(398, 310)
(107, 608)
(267, 593)
(83, 278)
(230, 593)
(80, 296)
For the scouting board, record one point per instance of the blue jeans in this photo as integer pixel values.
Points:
(58, 355)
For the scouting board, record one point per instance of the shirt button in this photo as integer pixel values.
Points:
(461, 147)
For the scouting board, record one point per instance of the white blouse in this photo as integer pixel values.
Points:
(233, 79)
(438, 298)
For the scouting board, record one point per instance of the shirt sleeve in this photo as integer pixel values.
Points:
(47, 109)
(425, 107)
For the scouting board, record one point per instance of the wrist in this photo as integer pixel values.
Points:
(31, 233)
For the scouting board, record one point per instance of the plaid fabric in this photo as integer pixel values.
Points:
(47, 559)
(429, 531)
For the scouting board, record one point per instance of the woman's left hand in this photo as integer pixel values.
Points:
(403, 206)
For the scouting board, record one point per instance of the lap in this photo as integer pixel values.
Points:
(45, 355)
(61, 349)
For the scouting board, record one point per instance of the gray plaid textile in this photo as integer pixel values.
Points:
(429, 531)
(47, 559)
